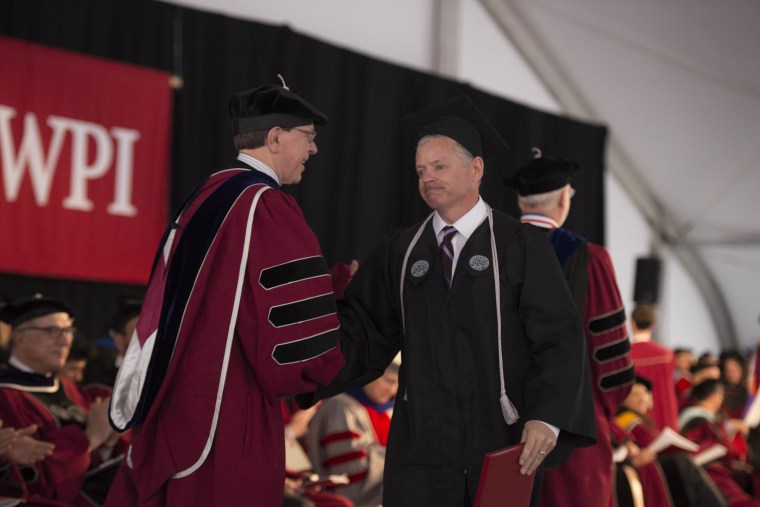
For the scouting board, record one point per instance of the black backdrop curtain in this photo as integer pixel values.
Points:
(362, 182)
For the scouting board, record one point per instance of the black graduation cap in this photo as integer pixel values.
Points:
(461, 120)
(542, 174)
(644, 381)
(21, 310)
(268, 106)
(128, 309)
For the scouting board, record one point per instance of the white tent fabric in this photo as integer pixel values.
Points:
(678, 84)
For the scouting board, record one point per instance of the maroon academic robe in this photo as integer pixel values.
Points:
(256, 326)
(586, 477)
(653, 482)
(655, 362)
(61, 475)
(707, 433)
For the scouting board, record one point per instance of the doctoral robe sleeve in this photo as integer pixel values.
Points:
(289, 300)
(606, 334)
(370, 322)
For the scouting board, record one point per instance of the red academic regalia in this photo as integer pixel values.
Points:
(586, 477)
(653, 482)
(253, 328)
(60, 476)
(707, 433)
(655, 362)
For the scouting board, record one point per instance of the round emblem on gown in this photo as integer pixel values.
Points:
(479, 262)
(419, 268)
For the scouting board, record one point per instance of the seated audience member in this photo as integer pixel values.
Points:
(630, 416)
(702, 424)
(296, 424)
(687, 484)
(18, 449)
(348, 435)
(733, 374)
(683, 360)
(79, 353)
(704, 369)
(33, 394)
(108, 351)
(655, 362)
(5, 335)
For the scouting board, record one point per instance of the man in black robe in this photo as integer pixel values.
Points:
(473, 379)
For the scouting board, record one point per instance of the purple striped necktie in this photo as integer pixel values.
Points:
(447, 254)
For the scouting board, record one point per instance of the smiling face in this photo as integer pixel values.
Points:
(295, 148)
(383, 389)
(43, 343)
(448, 183)
(639, 399)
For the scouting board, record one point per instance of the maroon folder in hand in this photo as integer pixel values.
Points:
(501, 484)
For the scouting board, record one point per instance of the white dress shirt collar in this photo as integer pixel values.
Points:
(465, 225)
(259, 166)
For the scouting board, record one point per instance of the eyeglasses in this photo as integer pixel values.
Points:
(311, 134)
(51, 331)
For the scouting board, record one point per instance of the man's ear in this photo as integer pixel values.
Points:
(478, 167)
(273, 138)
(564, 199)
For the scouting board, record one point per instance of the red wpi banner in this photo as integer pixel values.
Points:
(84, 157)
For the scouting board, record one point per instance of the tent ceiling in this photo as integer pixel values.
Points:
(679, 86)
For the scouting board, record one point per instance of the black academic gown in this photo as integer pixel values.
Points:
(447, 412)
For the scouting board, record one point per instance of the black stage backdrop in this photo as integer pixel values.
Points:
(362, 183)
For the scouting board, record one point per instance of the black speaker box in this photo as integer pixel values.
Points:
(647, 288)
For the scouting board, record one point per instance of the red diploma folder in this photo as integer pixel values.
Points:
(501, 484)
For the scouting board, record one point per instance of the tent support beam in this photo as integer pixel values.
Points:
(519, 30)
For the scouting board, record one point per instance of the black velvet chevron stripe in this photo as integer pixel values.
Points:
(618, 379)
(602, 324)
(302, 350)
(612, 350)
(293, 271)
(299, 311)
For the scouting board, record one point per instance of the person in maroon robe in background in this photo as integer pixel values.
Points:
(655, 362)
(733, 374)
(702, 424)
(701, 371)
(687, 484)
(544, 197)
(72, 424)
(683, 360)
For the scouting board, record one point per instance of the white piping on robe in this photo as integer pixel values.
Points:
(230, 337)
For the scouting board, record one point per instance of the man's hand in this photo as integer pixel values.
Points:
(7, 438)
(539, 441)
(98, 429)
(26, 450)
(299, 422)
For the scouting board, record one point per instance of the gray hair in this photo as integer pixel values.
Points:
(461, 151)
(540, 201)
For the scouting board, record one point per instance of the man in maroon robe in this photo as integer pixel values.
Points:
(655, 362)
(56, 417)
(544, 197)
(239, 312)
